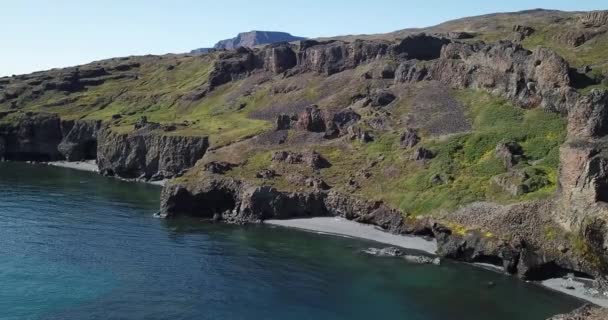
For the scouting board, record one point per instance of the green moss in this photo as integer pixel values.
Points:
(464, 164)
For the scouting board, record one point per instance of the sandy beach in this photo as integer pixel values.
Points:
(343, 227)
(89, 165)
(579, 291)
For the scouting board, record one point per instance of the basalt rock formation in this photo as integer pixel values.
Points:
(32, 137)
(586, 312)
(146, 154)
(495, 149)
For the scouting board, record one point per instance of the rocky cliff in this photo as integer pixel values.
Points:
(487, 133)
(146, 154)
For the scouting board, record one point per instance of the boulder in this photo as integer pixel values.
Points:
(509, 152)
(219, 167)
(422, 154)
(266, 174)
(283, 122)
(312, 119)
(384, 252)
(409, 138)
(381, 98)
(312, 159)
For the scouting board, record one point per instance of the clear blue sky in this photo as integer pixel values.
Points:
(42, 34)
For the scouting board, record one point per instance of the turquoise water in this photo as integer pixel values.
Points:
(75, 245)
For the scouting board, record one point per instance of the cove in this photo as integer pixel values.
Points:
(75, 245)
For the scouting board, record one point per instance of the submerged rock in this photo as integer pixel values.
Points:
(384, 252)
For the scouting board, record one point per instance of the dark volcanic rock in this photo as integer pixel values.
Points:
(239, 202)
(510, 152)
(266, 174)
(233, 65)
(79, 139)
(34, 137)
(313, 159)
(144, 154)
(336, 56)
(279, 58)
(422, 154)
(528, 78)
(312, 119)
(381, 98)
(418, 47)
(586, 312)
(219, 167)
(409, 138)
(283, 122)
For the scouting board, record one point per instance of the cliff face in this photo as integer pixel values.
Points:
(495, 148)
(531, 79)
(31, 138)
(147, 154)
(144, 153)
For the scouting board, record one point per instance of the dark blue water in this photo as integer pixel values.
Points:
(76, 245)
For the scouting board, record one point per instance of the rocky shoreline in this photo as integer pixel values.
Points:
(538, 239)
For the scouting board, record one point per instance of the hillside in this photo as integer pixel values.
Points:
(487, 133)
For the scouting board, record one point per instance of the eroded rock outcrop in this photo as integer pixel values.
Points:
(586, 312)
(79, 139)
(32, 137)
(529, 78)
(147, 155)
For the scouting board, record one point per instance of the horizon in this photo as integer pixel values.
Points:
(68, 33)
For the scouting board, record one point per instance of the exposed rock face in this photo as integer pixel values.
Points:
(529, 78)
(312, 119)
(219, 167)
(409, 138)
(336, 56)
(279, 58)
(233, 65)
(79, 140)
(422, 154)
(539, 78)
(381, 98)
(586, 312)
(418, 47)
(239, 202)
(145, 154)
(510, 152)
(595, 18)
(33, 137)
(312, 159)
(589, 117)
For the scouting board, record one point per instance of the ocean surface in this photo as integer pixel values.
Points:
(74, 245)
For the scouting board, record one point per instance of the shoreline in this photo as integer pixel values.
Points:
(577, 289)
(91, 166)
(337, 226)
(343, 227)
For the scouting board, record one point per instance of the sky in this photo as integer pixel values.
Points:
(43, 34)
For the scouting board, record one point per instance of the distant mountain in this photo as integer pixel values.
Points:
(251, 39)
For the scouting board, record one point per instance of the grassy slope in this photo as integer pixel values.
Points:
(466, 161)
(240, 109)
